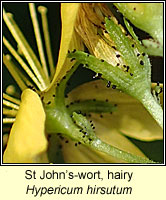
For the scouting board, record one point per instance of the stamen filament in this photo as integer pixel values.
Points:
(9, 112)
(38, 37)
(12, 99)
(9, 104)
(14, 72)
(22, 63)
(8, 120)
(27, 51)
(43, 11)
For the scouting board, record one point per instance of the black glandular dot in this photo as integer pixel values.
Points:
(131, 74)
(141, 62)
(75, 144)
(138, 54)
(72, 59)
(114, 87)
(118, 56)
(108, 84)
(61, 137)
(143, 54)
(74, 51)
(48, 102)
(114, 47)
(127, 68)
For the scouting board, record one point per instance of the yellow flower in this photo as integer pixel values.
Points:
(29, 127)
(27, 140)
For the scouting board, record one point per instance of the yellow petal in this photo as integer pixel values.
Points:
(131, 118)
(69, 39)
(27, 141)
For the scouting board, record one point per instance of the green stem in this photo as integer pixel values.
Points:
(63, 124)
(117, 153)
(153, 107)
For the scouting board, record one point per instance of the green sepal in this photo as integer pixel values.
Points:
(91, 106)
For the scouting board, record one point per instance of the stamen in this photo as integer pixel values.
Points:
(12, 99)
(22, 63)
(26, 49)
(9, 104)
(8, 120)
(38, 37)
(5, 139)
(11, 90)
(14, 72)
(43, 11)
(9, 112)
